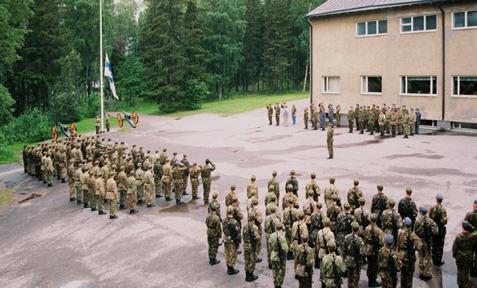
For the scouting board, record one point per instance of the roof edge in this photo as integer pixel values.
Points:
(370, 7)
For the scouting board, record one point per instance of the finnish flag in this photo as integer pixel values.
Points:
(109, 73)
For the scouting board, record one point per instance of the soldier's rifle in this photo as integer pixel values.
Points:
(375, 242)
(299, 234)
(336, 275)
(392, 269)
(307, 268)
(358, 256)
(281, 253)
(411, 251)
(395, 228)
(427, 235)
(326, 244)
(233, 234)
(364, 219)
(252, 240)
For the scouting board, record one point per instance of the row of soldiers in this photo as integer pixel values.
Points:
(137, 173)
(378, 238)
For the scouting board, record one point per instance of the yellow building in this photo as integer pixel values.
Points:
(422, 54)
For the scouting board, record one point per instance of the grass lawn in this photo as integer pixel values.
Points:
(6, 195)
(232, 105)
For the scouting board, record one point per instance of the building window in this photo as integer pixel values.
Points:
(467, 19)
(464, 86)
(331, 84)
(419, 85)
(371, 85)
(419, 23)
(370, 28)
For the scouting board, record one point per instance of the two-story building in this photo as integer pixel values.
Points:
(418, 53)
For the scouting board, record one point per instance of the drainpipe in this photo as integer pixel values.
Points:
(311, 58)
(443, 62)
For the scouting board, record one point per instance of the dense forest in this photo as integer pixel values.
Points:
(175, 53)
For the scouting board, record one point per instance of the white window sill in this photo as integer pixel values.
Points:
(334, 93)
(464, 96)
(418, 95)
(371, 94)
(372, 35)
(464, 28)
(420, 31)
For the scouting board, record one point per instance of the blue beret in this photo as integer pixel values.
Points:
(407, 221)
(466, 224)
(115, 142)
(423, 209)
(389, 239)
(439, 197)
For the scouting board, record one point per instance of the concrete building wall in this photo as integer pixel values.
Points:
(338, 51)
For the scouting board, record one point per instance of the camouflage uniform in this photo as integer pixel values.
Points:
(378, 205)
(387, 254)
(407, 237)
(228, 198)
(49, 170)
(294, 182)
(305, 118)
(167, 180)
(289, 217)
(362, 217)
(407, 208)
(100, 192)
(194, 180)
(329, 140)
(471, 217)
(343, 227)
(250, 233)
(231, 240)
(270, 114)
(392, 222)
(439, 215)
(278, 261)
(304, 265)
(287, 198)
(353, 250)
(316, 225)
(327, 274)
(71, 180)
(274, 182)
(206, 181)
(258, 223)
(372, 232)
(252, 187)
(316, 193)
(462, 251)
(332, 213)
(91, 183)
(112, 195)
(425, 253)
(140, 183)
(321, 249)
(122, 178)
(214, 233)
(148, 186)
(350, 119)
(132, 192)
(329, 192)
(269, 230)
(353, 197)
(157, 178)
(84, 186)
(77, 183)
(299, 230)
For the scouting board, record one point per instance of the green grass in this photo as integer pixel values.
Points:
(234, 104)
(6, 195)
(7, 154)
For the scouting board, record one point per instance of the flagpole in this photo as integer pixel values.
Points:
(101, 58)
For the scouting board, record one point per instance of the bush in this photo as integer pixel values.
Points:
(30, 127)
(7, 154)
(92, 107)
(195, 93)
(65, 110)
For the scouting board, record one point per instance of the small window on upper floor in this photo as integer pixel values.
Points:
(467, 19)
(371, 28)
(418, 23)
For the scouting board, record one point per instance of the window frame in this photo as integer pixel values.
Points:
(363, 92)
(458, 95)
(465, 20)
(325, 83)
(425, 30)
(366, 28)
(401, 93)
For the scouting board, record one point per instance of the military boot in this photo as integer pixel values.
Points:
(405, 137)
(231, 270)
(113, 217)
(79, 202)
(86, 205)
(317, 264)
(51, 185)
(185, 193)
(374, 283)
(72, 199)
(133, 211)
(122, 206)
(101, 212)
(214, 261)
(158, 196)
(151, 205)
(251, 277)
(168, 199)
(179, 202)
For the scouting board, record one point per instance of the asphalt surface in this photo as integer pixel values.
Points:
(51, 242)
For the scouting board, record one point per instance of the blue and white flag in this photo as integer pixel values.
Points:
(109, 73)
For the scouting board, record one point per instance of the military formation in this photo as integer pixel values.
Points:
(373, 119)
(99, 171)
(338, 235)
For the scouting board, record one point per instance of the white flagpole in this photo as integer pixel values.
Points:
(101, 57)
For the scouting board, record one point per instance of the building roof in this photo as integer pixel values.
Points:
(332, 7)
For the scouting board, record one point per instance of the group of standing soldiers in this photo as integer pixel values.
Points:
(99, 170)
(337, 241)
(387, 120)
